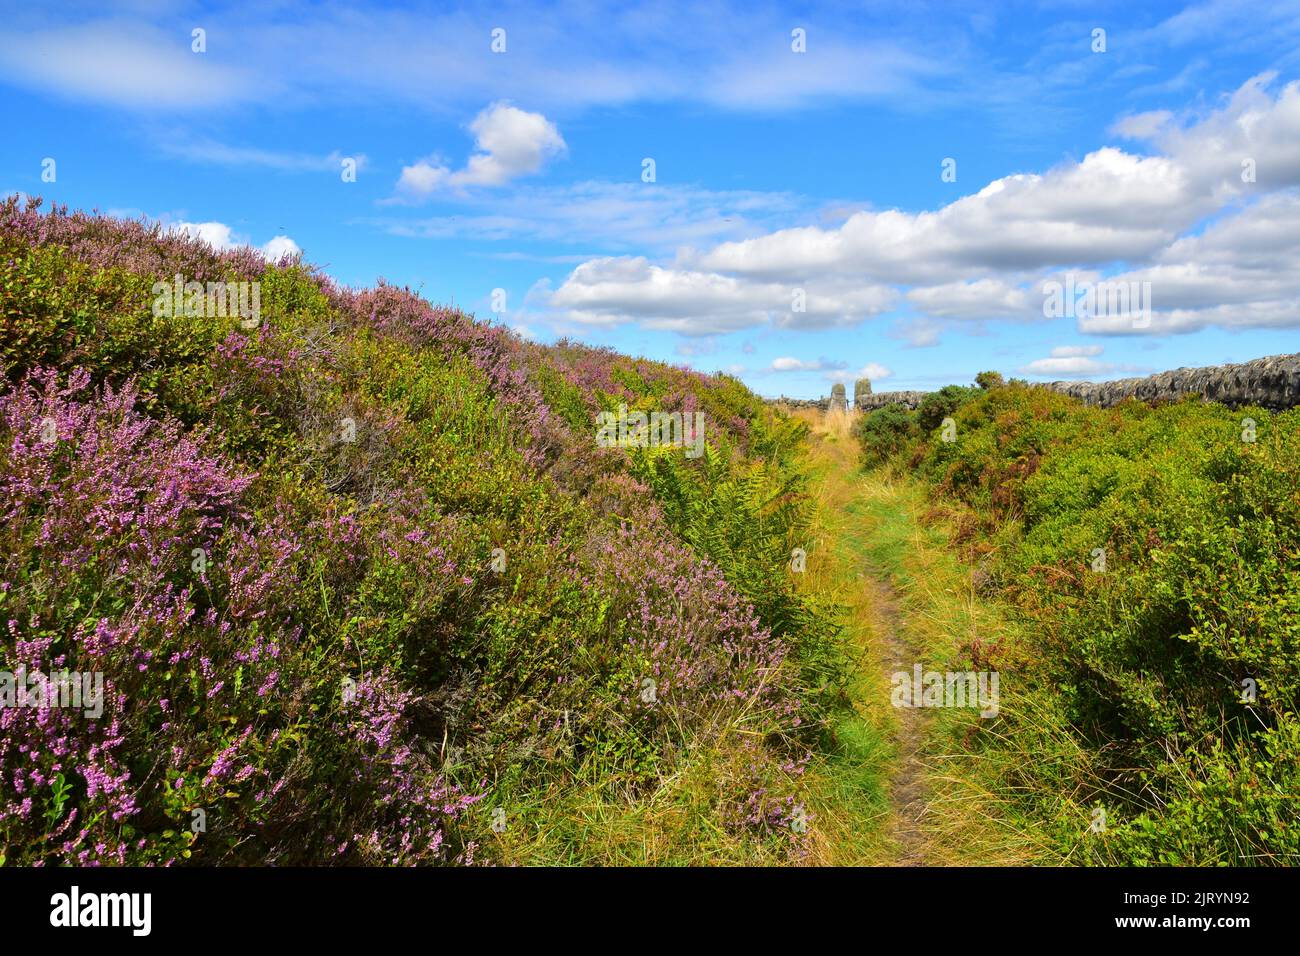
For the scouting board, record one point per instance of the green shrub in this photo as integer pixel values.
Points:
(885, 431)
(936, 406)
(1156, 557)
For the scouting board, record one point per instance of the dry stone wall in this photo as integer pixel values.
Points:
(881, 399)
(1272, 382)
(822, 403)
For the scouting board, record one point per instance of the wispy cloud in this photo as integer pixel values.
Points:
(790, 364)
(223, 154)
(726, 54)
(872, 370)
(1073, 361)
(616, 216)
(127, 63)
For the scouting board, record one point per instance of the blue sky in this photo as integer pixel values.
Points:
(1164, 153)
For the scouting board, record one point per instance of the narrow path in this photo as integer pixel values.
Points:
(907, 784)
(875, 624)
(919, 796)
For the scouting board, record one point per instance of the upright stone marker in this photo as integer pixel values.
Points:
(861, 389)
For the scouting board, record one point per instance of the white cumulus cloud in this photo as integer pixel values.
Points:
(510, 143)
(985, 256)
(279, 247)
(221, 237)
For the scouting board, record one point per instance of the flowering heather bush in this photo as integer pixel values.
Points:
(700, 642)
(102, 509)
(596, 379)
(132, 246)
(405, 800)
(305, 638)
(101, 484)
(404, 316)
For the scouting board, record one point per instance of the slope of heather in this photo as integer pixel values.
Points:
(277, 544)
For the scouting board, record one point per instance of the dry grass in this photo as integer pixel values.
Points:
(599, 820)
(836, 424)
